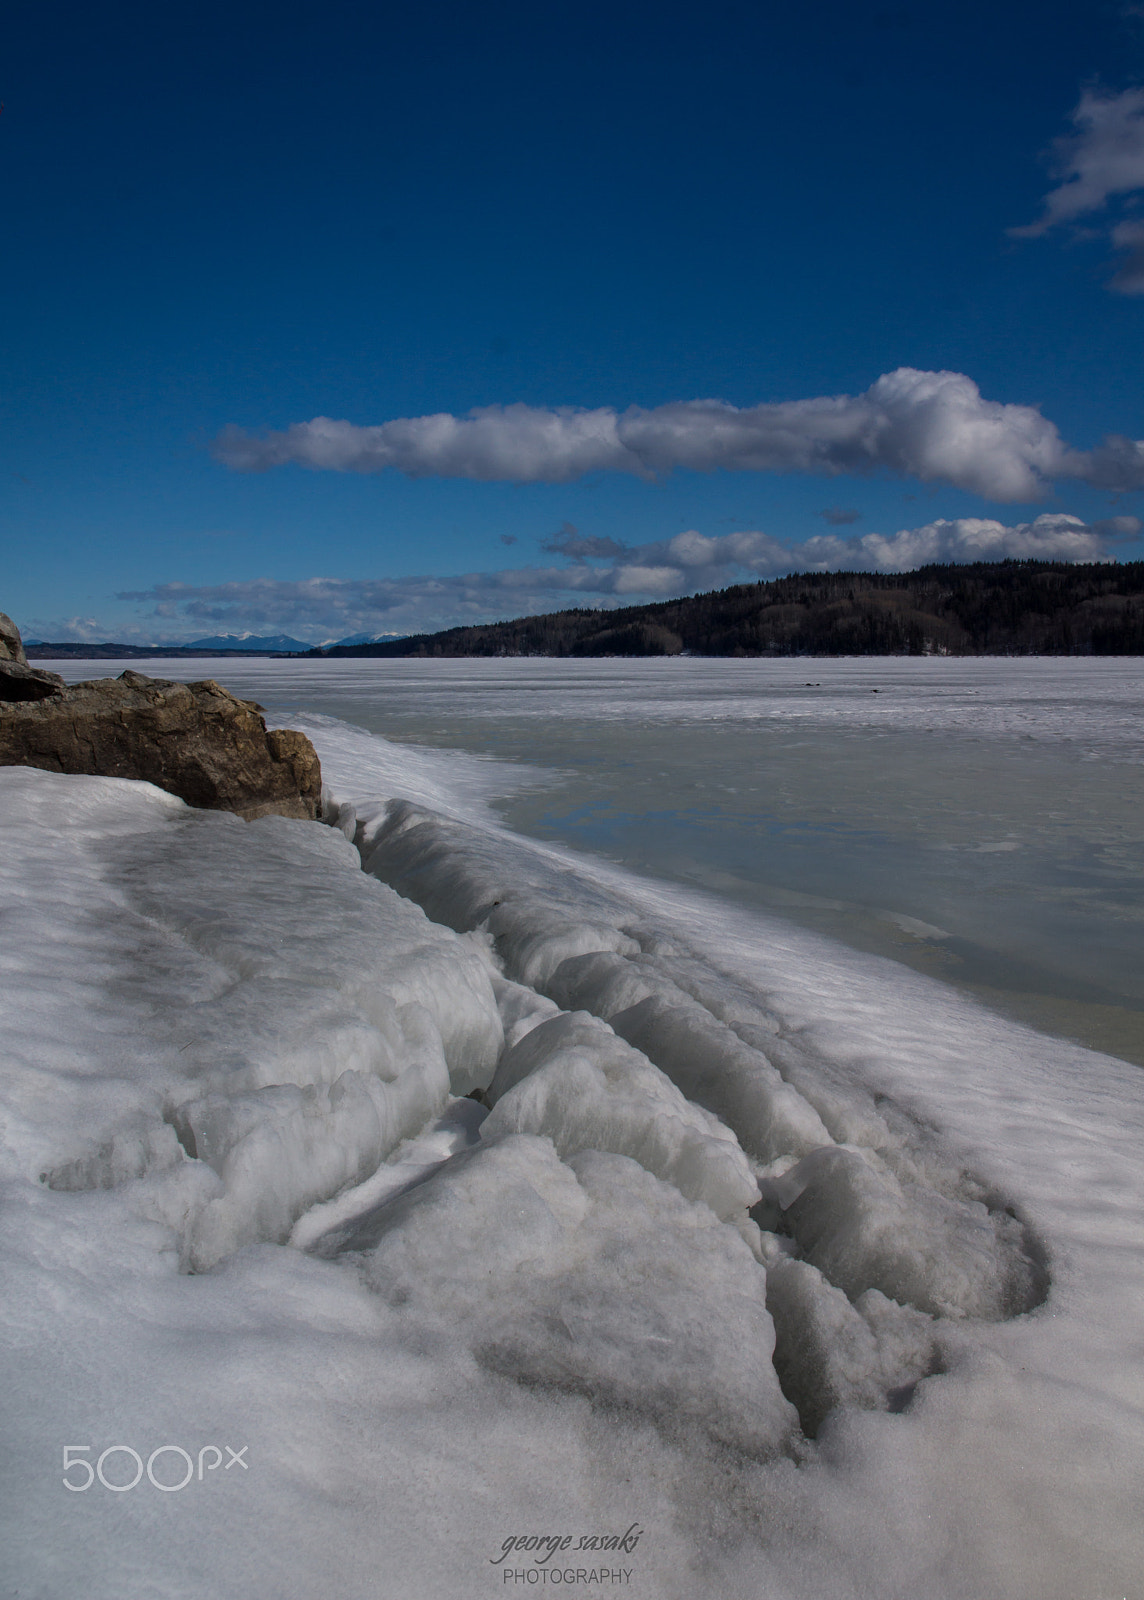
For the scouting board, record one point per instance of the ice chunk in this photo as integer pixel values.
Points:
(325, 1228)
(864, 1230)
(521, 1009)
(713, 1066)
(593, 1278)
(606, 984)
(717, 993)
(465, 877)
(566, 936)
(310, 917)
(168, 956)
(573, 1080)
(280, 1150)
(339, 814)
(829, 1352)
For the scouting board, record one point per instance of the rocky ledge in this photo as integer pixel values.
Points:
(196, 740)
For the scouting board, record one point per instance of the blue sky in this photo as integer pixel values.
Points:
(553, 230)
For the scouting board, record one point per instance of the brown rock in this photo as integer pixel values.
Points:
(196, 740)
(18, 681)
(11, 645)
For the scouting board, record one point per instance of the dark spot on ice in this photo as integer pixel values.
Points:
(184, 1133)
(768, 1216)
(898, 1399)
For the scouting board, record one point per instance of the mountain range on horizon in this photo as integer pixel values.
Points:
(244, 641)
(221, 643)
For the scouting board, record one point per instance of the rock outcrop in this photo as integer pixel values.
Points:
(196, 740)
(11, 645)
(19, 681)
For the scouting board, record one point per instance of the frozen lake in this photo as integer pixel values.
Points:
(820, 1273)
(978, 820)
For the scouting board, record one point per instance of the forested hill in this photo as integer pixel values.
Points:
(990, 608)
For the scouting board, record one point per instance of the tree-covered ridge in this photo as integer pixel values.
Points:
(989, 608)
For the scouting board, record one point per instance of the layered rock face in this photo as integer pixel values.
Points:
(196, 740)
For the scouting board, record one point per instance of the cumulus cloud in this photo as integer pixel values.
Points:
(1102, 159)
(701, 562)
(934, 426)
(324, 608)
(1048, 538)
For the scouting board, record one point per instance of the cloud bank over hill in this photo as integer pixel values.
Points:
(604, 572)
(932, 426)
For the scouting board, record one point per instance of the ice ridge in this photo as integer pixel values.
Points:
(550, 1138)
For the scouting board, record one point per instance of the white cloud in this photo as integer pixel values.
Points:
(324, 608)
(57, 630)
(1104, 157)
(638, 578)
(927, 425)
(934, 426)
(523, 444)
(1048, 538)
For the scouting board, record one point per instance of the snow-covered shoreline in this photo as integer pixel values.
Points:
(555, 1316)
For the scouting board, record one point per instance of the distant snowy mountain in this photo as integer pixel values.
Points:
(360, 638)
(247, 641)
